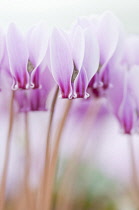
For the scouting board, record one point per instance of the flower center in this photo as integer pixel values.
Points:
(30, 66)
(74, 74)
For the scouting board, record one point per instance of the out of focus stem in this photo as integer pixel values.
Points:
(134, 172)
(72, 166)
(7, 153)
(27, 163)
(53, 163)
(47, 150)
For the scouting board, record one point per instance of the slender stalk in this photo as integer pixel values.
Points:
(51, 176)
(133, 167)
(47, 153)
(7, 153)
(27, 163)
(72, 166)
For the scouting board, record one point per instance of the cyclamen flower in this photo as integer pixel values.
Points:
(74, 61)
(35, 99)
(122, 104)
(25, 54)
(86, 63)
(37, 43)
(18, 57)
(131, 63)
(110, 36)
(124, 94)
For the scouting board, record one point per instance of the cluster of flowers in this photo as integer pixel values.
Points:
(94, 58)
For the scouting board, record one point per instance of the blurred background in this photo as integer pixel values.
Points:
(64, 12)
(102, 177)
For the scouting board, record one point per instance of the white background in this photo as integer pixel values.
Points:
(64, 12)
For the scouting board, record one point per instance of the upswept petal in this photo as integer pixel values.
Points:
(2, 44)
(131, 51)
(133, 84)
(61, 62)
(117, 94)
(81, 85)
(108, 36)
(37, 42)
(92, 54)
(42, 77)
(18, 56)
(36, 74)
(78, 46)
(4, 61)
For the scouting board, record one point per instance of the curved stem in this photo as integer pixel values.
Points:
(72, 166)
(47, 152)
(7, 154)
(52, 170)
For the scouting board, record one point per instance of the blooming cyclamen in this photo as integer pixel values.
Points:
(94, 58)
(72, 67)
(25, 54)
(109, 34)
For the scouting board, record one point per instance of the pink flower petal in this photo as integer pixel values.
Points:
(78, 46)
(37, 42)
(18, 56)
(61, 62)
(92, 54)
(108, 35)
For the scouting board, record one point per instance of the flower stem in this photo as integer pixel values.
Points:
(27, 163)
(7, 153)
(47, 152)
(52, 170)
(133, 167)
(48, 139)
(69, 178)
